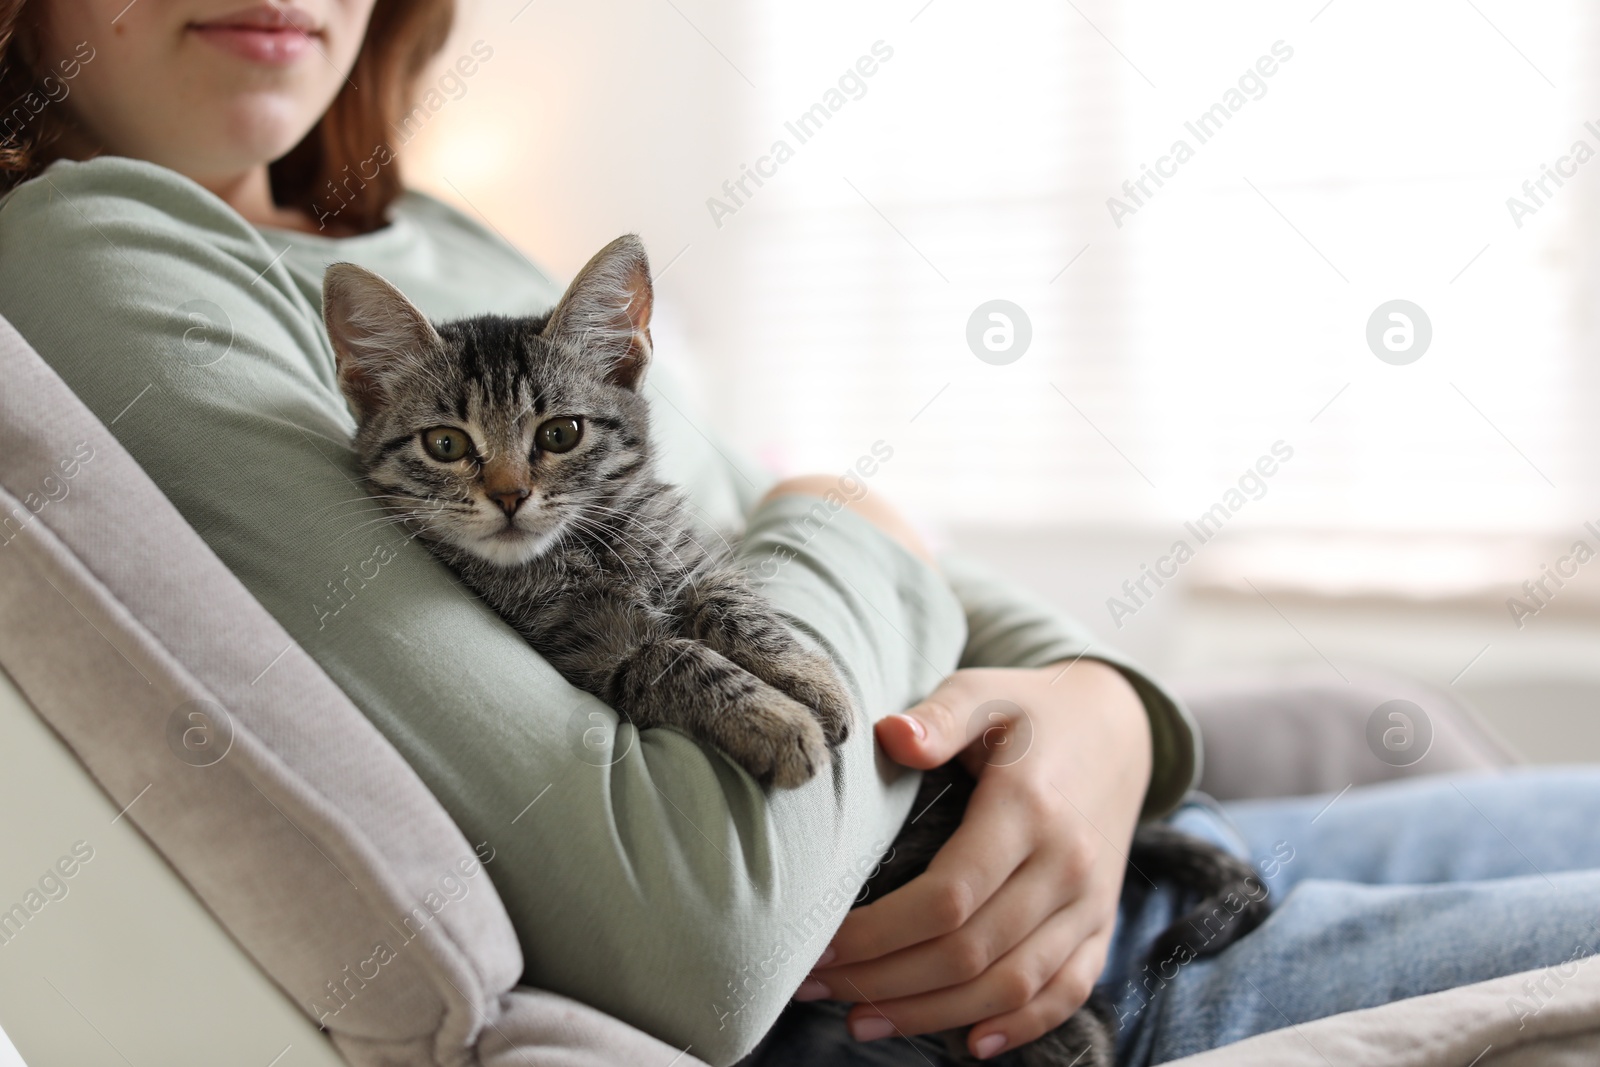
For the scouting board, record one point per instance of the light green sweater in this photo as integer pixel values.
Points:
(644, 874)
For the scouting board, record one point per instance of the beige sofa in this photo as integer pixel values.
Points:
(205, 837)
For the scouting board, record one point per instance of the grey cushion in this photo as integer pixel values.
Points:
(311, 840)
(1300, 730)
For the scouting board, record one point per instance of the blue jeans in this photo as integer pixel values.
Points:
(1380, 893)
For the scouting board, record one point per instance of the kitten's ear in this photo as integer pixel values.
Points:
(376, 333)
(606, 311)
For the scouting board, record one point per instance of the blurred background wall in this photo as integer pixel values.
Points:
(1192, 310)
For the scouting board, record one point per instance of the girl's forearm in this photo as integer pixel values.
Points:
(871, 507)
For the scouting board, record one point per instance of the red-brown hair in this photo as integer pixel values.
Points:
(402, 36)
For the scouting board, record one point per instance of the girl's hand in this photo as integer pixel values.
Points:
(1009, 926)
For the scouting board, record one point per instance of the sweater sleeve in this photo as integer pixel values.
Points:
(644, 874)
(1010, 627)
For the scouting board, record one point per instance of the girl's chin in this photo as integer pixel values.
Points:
(250, 129)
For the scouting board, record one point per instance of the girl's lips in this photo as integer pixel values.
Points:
(268, 33)
(273, 47)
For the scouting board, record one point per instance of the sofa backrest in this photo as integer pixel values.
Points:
(284, 810)
(106, 957)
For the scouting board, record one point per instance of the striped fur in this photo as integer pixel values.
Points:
(594, 560)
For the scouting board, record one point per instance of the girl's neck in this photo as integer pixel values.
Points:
(250, 194)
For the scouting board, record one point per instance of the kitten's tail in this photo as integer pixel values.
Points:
(1233, 898)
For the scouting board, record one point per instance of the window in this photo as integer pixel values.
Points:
(1339, 156)
(1333, 164)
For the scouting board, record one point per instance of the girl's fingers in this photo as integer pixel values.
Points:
(993, 840)
(1002, 991)
(1054, 1004)
(1016, 911)
(940, 728)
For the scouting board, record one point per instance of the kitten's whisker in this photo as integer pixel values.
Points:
(644, 549)
(636, 542)
(689, 573)
(373, 509)
(399, 522)
(708, 525)
(364, 498)
(628, 518)
(405, 514)
(649, 530)
(390, 517)
(582, 522)
(589, 523)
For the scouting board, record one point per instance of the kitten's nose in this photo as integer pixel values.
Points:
(509, 499)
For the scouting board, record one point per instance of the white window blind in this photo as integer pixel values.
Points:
(1227, 313)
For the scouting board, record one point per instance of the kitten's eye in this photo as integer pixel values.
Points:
(558, 435)
(446, 444)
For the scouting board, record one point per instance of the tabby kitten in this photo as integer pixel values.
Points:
(518, 449)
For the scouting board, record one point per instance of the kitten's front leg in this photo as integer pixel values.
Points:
(633, 658)
(681, 682)
(719, 608)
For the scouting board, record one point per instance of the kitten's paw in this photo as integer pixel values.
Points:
(777, 740)
(813, 682)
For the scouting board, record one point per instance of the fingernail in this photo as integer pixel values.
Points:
(989, 1045)
(811, 989)
(871, 1028)
(826, 957)
(916, 727)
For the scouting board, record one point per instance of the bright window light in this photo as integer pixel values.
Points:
(1181, 329)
